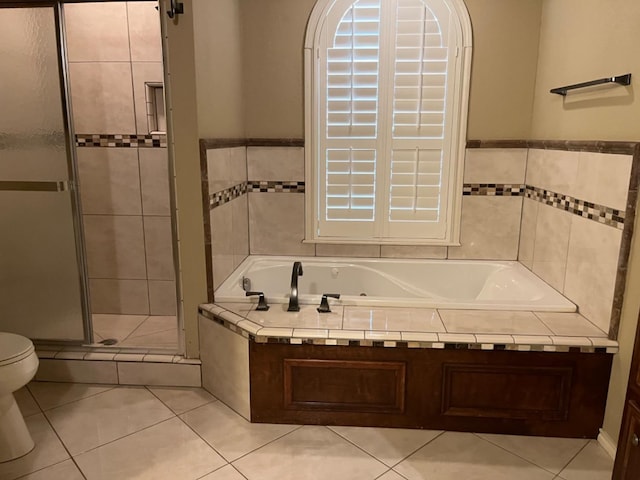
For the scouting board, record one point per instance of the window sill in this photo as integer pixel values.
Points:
(396, 242)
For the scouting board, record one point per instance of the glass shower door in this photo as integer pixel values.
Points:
(42, 293)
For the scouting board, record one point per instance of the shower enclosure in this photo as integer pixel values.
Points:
(42, 273)
(87, 251)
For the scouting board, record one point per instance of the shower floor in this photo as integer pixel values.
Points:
(136, 330)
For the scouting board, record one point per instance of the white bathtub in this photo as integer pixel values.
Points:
(453, 284)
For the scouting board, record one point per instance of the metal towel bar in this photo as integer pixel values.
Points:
(620, 80)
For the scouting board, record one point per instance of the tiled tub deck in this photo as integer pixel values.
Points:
(514, 372)
(414, 328)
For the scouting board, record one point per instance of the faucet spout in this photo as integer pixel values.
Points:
(293, 298)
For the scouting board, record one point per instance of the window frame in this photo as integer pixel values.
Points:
(314, 95)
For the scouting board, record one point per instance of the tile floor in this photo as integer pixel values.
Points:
(137, 330)
(106, 432)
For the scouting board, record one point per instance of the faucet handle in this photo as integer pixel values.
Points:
(324, 303)
(262, 302)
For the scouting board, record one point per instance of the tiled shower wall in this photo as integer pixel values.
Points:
(561, 213)
(572, 225)
(113, 49)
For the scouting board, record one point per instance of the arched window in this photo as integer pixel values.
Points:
(386, 100)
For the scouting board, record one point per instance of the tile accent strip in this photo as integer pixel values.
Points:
(225, 196)
(273, 186)
(599, 213)
(121, 140)
(493, 189)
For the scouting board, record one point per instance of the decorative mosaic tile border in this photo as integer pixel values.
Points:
(239, 326)
(225, 196)
(274, 186)
(592, 211)
(493, 189)
(121, 140)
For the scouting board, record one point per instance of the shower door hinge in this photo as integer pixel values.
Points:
(175, 8)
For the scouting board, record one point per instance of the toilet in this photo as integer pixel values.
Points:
(18, 365)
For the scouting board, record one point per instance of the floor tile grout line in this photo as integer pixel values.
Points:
(214, 470)
(573, 458)
(383, 474)
(124, 436)
(520, 456)
(34, 401)
(355, 445)
(298, 427)
(42, 468)
(239, 472)
(417, 449)
(220, 468)
(108, 388)
(149, 387)
(399, 474)
(477, 435)
(64, 445)
(204, 440)
(114, 440)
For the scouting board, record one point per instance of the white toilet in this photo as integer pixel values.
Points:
(18, 365)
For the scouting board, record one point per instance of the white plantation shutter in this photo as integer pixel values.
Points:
(387, 69)
(419, 171)
(351, 110)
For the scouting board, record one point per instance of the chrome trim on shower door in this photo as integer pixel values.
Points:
(18, 186)
(76, 203)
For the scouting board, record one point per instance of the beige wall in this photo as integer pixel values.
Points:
(218, 53)
(505, 53)
(183, 148)
(273, 36)
(583, 40)
(505, 56)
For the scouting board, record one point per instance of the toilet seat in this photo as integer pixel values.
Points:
(14, 348)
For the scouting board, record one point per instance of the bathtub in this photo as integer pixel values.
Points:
(452, 284)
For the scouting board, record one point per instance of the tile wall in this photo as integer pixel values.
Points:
(572, 224)
(227, 214)
(274, 204)
(561, 213)
(113, 49)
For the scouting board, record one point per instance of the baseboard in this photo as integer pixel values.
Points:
(607, 443)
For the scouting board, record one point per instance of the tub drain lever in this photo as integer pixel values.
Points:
(262, 302)
(324, 303)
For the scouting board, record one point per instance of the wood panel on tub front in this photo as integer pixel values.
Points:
(529, 393)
